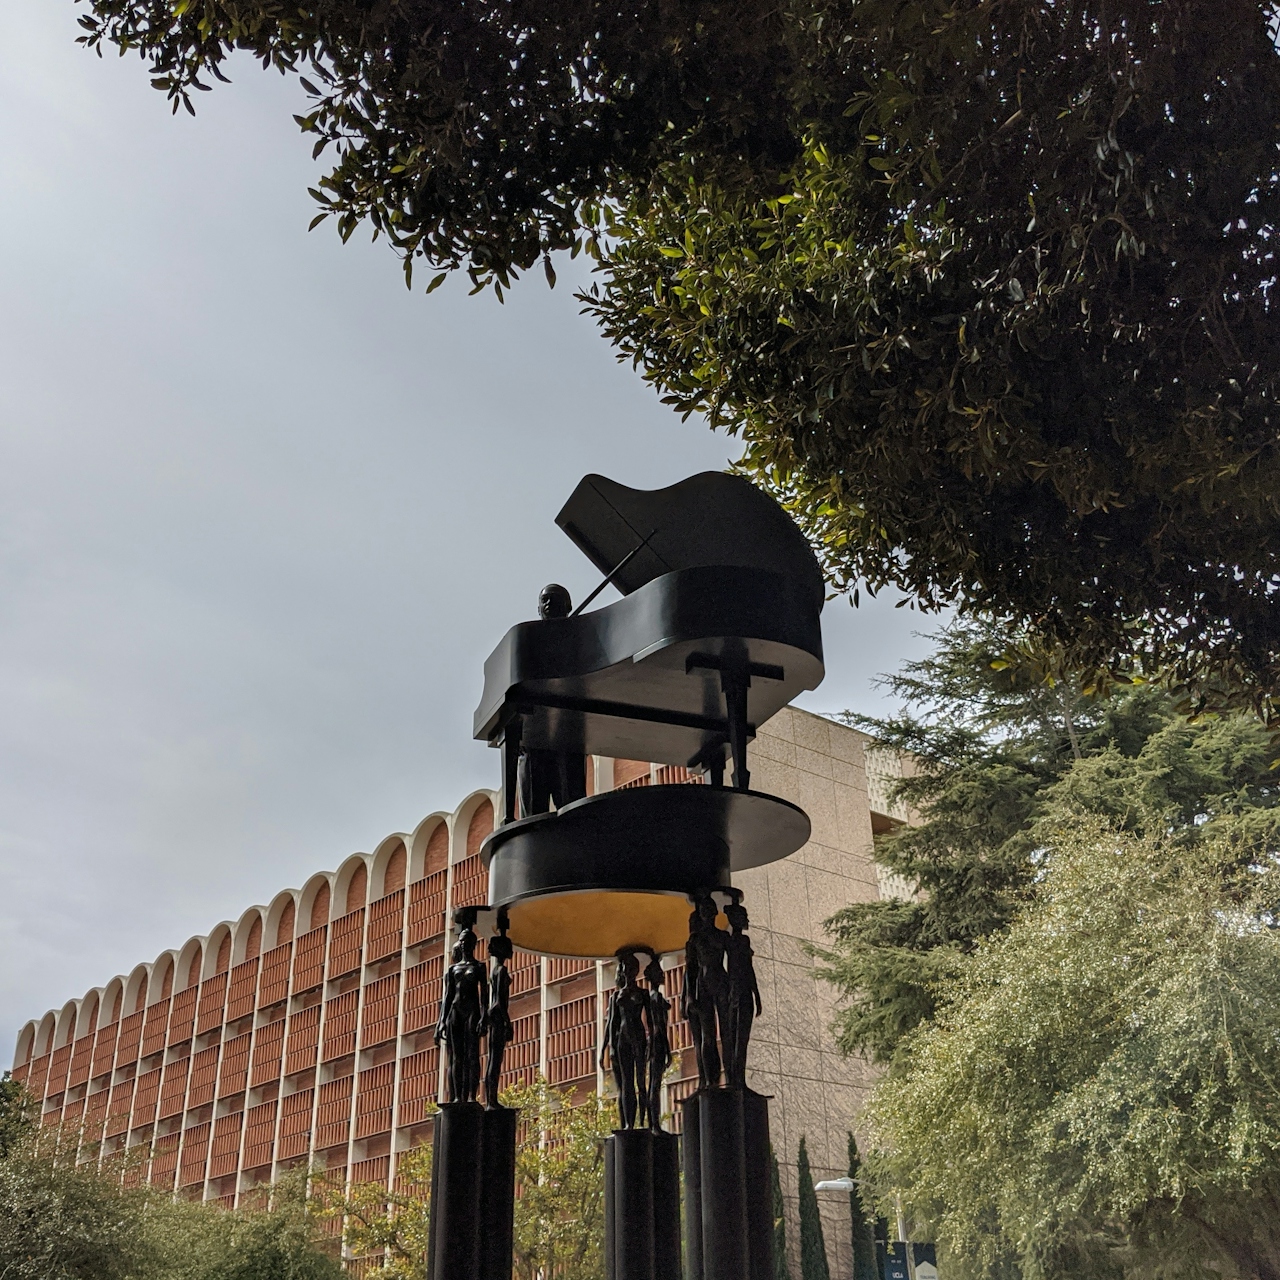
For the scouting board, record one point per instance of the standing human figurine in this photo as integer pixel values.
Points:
(705, 987)
(625, 1039)
(744, 994)
(659, 1040)
(498, 1018)
(551, 777)
(463, 1006)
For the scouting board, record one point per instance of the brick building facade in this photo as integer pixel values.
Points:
(302, 1032)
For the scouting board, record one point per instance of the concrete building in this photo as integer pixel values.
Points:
(303, 1031)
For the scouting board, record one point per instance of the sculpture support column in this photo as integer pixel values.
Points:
(666, 1207)
(691, 1156)
(633, 1204)
(642, 1205)
(724, 1202)
(473, 1172)
(755, 1145)
(458, 1151)
(498, 1193)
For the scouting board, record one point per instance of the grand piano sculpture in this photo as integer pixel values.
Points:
(717, 630)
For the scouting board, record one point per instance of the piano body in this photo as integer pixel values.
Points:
(718, 628)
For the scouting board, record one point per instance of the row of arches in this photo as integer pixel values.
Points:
(438, 840)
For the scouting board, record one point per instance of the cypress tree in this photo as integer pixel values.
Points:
(864, 1244)
(780, 1271)
(813, 1249)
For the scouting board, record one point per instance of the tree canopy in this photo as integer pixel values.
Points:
(1098, 1094)
(1008, 748)
(987, 286)
(1005, 333)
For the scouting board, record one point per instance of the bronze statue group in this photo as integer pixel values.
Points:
(473, 1006)
(721, 995)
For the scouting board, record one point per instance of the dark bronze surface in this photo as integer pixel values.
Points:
(615, 681)
(707, 519)
(625, 1038)
(463, 1004)
(706, 988)
(658, 1015)
(744, 994)
(607, 840)
(497, 1022)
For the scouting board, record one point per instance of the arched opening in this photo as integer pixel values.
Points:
(26, 1045)
(480, 826)
(166, 980)
(437, 856)
(48, 1026)
(88, 1014)
(320, 906)
(253, 944)
(140, 999)
(193, 969)
(66, 1024)
(394, 876)
(224, 953)
(284, 930)
(358, 887)
(113, 1000)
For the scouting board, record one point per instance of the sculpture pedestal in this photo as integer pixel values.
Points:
(642, 1205)
(472, 1193)
(728, 1200)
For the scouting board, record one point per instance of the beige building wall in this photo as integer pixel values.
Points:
(821, 766)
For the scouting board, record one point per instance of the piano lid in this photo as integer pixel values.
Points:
(712, 518)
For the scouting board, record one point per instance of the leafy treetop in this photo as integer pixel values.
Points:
(987, 285)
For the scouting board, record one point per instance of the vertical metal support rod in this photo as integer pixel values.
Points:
(735, 680)
(511, 736)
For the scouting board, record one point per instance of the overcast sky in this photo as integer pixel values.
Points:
(262, 513)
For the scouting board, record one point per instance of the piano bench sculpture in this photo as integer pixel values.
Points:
(717, 630)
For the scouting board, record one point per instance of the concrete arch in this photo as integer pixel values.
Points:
(26, 1047)
(391, 855)
(90, 1013)
(346, 884)
(67, 1023)
(45, 1037)
(462, 819)
(283, 910)
(189, 963)
(315, 906)
(164, 977)
(112, 1002)
(217, 951)
(244, 940)
(421, 838)
(135, 990)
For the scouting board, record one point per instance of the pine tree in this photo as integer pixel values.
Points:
(1005, 738)
(813, 1249)
(864, 1244)
(780, 1271)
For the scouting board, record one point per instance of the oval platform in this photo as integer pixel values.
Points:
(614, 870)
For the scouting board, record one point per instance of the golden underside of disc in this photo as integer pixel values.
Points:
(598, 923)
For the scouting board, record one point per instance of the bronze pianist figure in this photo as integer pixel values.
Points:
(551, 777)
